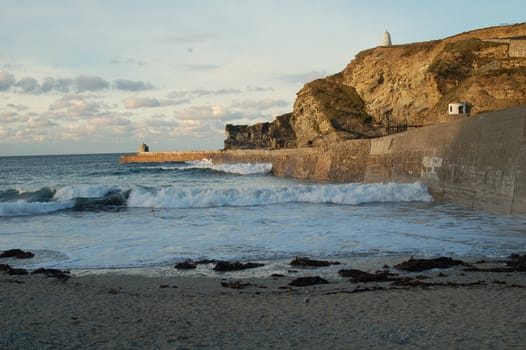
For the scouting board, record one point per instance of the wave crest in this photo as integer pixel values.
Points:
(233, 168)
(82, 191)
(347, 194)
(21, 208)
(97, 197)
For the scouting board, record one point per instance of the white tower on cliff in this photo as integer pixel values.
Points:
(387, 39)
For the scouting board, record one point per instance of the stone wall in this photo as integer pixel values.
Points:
(161, 157)
(345, 162)
(478, 163)
(517, 48)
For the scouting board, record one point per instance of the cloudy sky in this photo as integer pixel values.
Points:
(102, 75)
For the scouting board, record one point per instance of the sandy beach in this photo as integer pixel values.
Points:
(448, 308)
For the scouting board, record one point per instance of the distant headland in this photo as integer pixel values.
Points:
(405, 113)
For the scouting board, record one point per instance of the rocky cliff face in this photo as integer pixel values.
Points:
(328, 110)
(410, 83)
(278, 134)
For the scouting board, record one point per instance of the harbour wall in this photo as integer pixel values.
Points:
(478, 163)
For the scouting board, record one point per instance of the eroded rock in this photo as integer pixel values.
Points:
(276, 134)
(186, 265)
(17, 272)
(304, 261)
(308, 281)
(515, 263)
(62, 275)
(16, 253)
(223, 266)
(234, 284)
(358, 276)
(417, 265)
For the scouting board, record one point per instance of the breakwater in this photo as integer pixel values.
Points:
(478, 163)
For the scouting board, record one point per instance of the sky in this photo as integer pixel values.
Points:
(103, 76)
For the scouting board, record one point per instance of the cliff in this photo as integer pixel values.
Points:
(278, 134)
(410, 83)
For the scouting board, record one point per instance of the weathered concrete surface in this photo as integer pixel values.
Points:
(478, 163)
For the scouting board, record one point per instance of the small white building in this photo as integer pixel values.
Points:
(386, 41)
(459, 108)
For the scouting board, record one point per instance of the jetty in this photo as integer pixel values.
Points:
(163, 157)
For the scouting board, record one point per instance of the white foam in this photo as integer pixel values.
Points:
(85, 191)
(20, 208)
(347, 194)
(234, 168)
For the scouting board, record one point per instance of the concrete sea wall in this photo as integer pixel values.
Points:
(478, 163)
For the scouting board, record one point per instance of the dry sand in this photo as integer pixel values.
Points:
(119, 311)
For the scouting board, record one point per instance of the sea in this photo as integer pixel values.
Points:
(90, 212)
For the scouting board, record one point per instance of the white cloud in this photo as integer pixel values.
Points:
(129, 85)
(303, 77)
(98, 128)
(261, 105)
(90, 83)
(6, 80)
(148, 102)
(129, 61)
(62, 84)
(202, 66)
(75, 106)
(188, 38)
(29, 85)
(141, 102)
(17, 107)
(10, 117)
(259, 89)
(204, 92)
(39, 122)
(195, 113)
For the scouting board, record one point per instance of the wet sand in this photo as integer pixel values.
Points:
(455, 310)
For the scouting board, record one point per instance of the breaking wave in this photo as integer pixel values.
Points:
(348, 194)
(21, 207)
(206, 164)
(46, 200)
(97, 197)
(233, 168)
